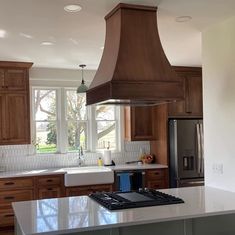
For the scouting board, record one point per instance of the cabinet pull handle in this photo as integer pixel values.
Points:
(157, 173)
(9, 198)
(49, 189)
(50, 180)
(9, 183)
(8, 215)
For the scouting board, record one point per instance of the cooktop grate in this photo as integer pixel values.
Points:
(134, 199)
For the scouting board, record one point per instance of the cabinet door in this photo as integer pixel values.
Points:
(102, 188)
(1, 79)
(178, 108)
(194, 101)
(156, 184)
(15, 79)
(139, 123)
(156, 178)
(17, 119)
(50, 192)
(78, 191)
(2, 118)
(192, 105)
(7, 197)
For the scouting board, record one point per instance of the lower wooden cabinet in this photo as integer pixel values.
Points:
(49, 186)
(25, 189)
(157, 178)
(6, 217)
(7, 197)
(13, 190)
(86, 190)
(53, 192)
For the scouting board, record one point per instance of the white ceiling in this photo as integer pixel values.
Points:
(78, 37)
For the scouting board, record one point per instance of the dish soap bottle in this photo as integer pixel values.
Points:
(100, 162)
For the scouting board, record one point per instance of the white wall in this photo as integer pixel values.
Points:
(218, 62)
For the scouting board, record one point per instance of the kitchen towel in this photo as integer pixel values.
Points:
(124, 182)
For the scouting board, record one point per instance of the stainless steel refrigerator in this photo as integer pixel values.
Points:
(186, 152)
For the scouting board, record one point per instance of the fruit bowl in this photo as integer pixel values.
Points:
(147, 159)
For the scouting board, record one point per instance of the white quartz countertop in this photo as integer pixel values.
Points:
(50, 171)
(76, 214)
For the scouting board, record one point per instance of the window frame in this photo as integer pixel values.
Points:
(61, 122)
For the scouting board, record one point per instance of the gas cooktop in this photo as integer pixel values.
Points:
(134, 199)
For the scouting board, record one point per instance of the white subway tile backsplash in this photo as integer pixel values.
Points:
(22, 157)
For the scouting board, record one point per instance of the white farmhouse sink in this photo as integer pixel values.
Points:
(78, 176)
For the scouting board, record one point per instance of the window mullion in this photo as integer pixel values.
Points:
(92, 128)
(62, 124)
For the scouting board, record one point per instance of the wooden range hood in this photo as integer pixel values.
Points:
(134, 69)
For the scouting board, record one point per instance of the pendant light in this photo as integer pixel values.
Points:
(82, 88)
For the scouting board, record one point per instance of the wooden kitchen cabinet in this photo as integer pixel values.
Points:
(14, 103)
(13, 190)
(192, 105)
(6, 217)
(86, 190)
(13, 79)
(156, 178)
(49, 186)
(139, 123)
(49, 192)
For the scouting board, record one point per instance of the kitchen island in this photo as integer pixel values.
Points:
(205, 211)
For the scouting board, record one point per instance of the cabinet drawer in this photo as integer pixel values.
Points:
(6, 218)
(49, 180)
(6, 184)
(78, 191)
(7, 197)
(52, 192)
(156, 184)
(155, 174)
(101, 188)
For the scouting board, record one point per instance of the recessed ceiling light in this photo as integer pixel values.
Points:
(182, 19)
(47, 43)
(72, 8)
(102, 48)
(3, 33)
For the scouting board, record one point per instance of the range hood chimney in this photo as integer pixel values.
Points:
(134, 69)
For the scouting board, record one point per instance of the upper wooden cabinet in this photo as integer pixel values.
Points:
(192, 105)
(139, 123)
(14, 103)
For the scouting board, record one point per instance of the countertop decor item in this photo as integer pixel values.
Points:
(82, 88)
(107, 156)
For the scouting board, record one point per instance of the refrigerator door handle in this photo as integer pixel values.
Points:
(198, 149)
(202, 147)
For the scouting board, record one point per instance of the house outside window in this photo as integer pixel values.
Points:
(63, 123)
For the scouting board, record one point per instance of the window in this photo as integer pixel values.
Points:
(106, 127)
(76, 117)
(45, 120)
(63, 123)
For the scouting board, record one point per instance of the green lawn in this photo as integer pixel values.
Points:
(46, 148)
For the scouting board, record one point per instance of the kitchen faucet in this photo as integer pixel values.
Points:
(80, 157)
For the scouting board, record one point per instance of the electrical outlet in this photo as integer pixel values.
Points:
(218, 168)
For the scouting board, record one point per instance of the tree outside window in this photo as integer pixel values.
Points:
(66, 126)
